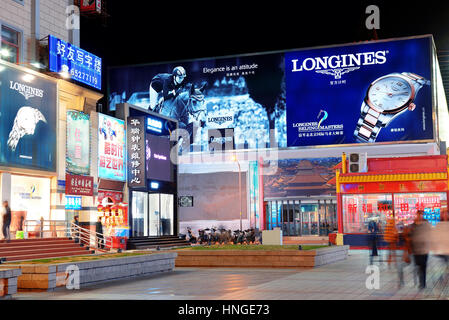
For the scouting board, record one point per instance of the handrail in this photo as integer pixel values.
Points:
(69, 229)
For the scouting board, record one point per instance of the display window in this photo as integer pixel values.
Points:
(359, 210)
(406, 206)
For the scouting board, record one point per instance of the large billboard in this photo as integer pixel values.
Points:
(27, 120)
(360, 93)
(376, 92)
(111, 148)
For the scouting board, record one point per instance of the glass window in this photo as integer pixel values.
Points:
(406, 205)
(10, 45)
(358, 210)
(140, 214)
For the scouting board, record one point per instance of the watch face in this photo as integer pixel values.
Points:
(390, 93)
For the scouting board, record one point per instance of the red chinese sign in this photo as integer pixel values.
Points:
(79, 185)
(117, 197)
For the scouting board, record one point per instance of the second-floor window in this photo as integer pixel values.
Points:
(10, 46)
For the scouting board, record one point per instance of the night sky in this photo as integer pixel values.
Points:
(139, 34)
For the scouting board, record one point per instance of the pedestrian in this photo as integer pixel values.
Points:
(404, 238)
(440, 244)
(99, 231)
(420, 246)
(391, 237)
(373, 229)
(6, 221)
(75, 229)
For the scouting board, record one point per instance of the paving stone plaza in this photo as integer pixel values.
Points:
(344, 280)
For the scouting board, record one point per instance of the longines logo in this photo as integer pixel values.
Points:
(221, 120)
(26, 91)
(337, 66)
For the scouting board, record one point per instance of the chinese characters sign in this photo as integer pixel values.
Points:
(79, 185)
(111, 148)
(82, 65)
(73, 203)
(136, 152)
(77, 151)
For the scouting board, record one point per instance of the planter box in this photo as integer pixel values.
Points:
(47, 277)
(261, 259)
(8, 282)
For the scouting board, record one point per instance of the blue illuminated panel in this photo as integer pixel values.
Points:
(82, 65)
(73, 203)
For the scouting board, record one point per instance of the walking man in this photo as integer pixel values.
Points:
(6, 221)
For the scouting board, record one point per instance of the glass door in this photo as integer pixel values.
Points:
(310, 219)
(154, 214)
(161, 214)
(140, 214)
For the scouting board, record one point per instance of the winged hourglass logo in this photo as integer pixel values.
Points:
(337, 73)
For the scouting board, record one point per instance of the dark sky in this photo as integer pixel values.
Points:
(136, 32)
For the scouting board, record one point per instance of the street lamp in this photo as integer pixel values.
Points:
(234, 158)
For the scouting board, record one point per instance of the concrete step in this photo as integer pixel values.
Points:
(48, 255)
(32, 240)
(31, 251)
(39, 247)
(13, 243)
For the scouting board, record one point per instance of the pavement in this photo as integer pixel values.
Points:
(344, 280)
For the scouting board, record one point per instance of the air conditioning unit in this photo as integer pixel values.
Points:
(358, 163)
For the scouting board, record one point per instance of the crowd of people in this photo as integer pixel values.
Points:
(416, 242)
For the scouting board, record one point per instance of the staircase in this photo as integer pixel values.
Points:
(154, 242)
(41, 248)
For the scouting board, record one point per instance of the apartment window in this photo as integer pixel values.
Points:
(10, 45)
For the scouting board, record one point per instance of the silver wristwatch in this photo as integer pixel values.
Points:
(386, 98)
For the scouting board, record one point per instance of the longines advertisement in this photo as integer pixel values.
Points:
(377, 92)
(27, 120)
(363, 93)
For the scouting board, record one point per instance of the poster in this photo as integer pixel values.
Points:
(78, 143)
(111, 148)
(27, 120)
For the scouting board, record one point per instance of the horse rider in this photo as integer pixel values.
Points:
(166, 86)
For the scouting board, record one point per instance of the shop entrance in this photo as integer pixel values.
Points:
(152, 214)
(302, 218)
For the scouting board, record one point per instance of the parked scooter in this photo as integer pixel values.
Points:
(192, 238)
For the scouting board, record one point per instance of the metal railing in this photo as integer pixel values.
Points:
(59, 229)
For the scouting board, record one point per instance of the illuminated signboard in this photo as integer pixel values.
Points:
(111, 148)
(82, 66)
(78, 143)
(73, 203)
(154, 125)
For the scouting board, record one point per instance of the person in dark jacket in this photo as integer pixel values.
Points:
(166, 86)
(99, 231)
(420, 245)
(6, 221)
(373, 229)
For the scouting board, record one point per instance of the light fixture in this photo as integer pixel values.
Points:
(64, 74)
(28, 77)
(154, 185)
(5, 52)
(37, 65)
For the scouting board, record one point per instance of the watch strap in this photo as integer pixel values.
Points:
(369, 124)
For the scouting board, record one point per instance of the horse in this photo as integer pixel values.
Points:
(184, 104)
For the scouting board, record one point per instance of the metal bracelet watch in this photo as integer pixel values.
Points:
(386, 98)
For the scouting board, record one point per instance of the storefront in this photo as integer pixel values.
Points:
(152, 177)
(392, 188)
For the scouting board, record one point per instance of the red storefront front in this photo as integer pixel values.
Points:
(392, 187)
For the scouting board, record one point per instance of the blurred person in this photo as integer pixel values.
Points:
(391, 237)
(404, 239)
(6, 214)
(99, 231)
(420, 241)
(440, 246)
(373, 230)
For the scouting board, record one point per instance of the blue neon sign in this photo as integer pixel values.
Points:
(73, 203)
(82, 66)
(154, 125)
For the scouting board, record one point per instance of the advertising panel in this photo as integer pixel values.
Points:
(136, 152)
(376, 92)
(79, 185)
(73, 203)
(244, 93)
(82, 66)
(31, 195)
(27, 120)
(111, 148)
(159, 166)
(350, 94)
(78, 143)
